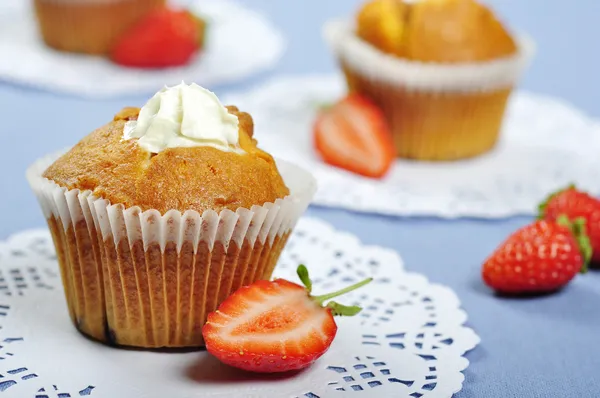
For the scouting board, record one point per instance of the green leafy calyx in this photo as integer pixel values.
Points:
(336, 308)
(202, 26)
(578, 229)
(302, 272)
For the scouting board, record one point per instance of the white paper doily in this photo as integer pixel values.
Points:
(409, 341)
(240, 43)
(546, 144)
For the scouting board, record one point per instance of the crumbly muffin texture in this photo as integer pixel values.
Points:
(196, 178)
(446, 31)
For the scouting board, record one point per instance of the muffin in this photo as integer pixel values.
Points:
(88, 26)
(161, 214)
(441, 71)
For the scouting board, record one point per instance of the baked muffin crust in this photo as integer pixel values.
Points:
(444, 31)
(197, 178)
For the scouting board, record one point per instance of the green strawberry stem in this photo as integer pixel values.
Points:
(542, 206)
(336, 308)
(577, 227)
(322, 298)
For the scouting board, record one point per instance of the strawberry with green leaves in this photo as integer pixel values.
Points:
(540, 257)
(275, 326)
(574, 203)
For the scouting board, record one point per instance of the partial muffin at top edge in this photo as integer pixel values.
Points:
(441, 31)
(88, 26)
(186, 178)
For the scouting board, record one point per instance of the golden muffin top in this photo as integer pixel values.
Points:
(120, 169)
(448, 31)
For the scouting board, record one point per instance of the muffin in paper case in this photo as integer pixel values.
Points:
(436, 111)
(145, 279)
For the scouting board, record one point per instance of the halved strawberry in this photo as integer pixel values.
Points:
(353, 135)
(275, 326)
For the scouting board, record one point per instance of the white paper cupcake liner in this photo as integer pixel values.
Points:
(117, 222)
(100, 251)
(368, 61)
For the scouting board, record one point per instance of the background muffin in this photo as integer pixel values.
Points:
(150, 241)
(441, 71)
(88, 26)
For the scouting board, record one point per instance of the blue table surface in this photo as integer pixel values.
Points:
(539, 347)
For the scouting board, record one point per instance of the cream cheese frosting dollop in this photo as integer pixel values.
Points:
(184, 116)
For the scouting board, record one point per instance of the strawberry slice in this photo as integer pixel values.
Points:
(164, 38)
(275, 326)
(353, 135)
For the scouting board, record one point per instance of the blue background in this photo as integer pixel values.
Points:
(538, 347)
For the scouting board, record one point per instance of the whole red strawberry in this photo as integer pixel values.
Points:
(540, 257)
(164, 38)
(275, 326)
(574, 203)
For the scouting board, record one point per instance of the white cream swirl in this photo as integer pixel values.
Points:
(184, 116)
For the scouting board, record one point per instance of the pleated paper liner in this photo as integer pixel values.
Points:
(88, 26)
(145, 279)
(435, 111)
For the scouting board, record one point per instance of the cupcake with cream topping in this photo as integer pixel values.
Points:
(162, 213)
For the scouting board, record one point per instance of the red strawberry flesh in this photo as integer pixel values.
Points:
(276, 319)
(353, 135)
(274, 326)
